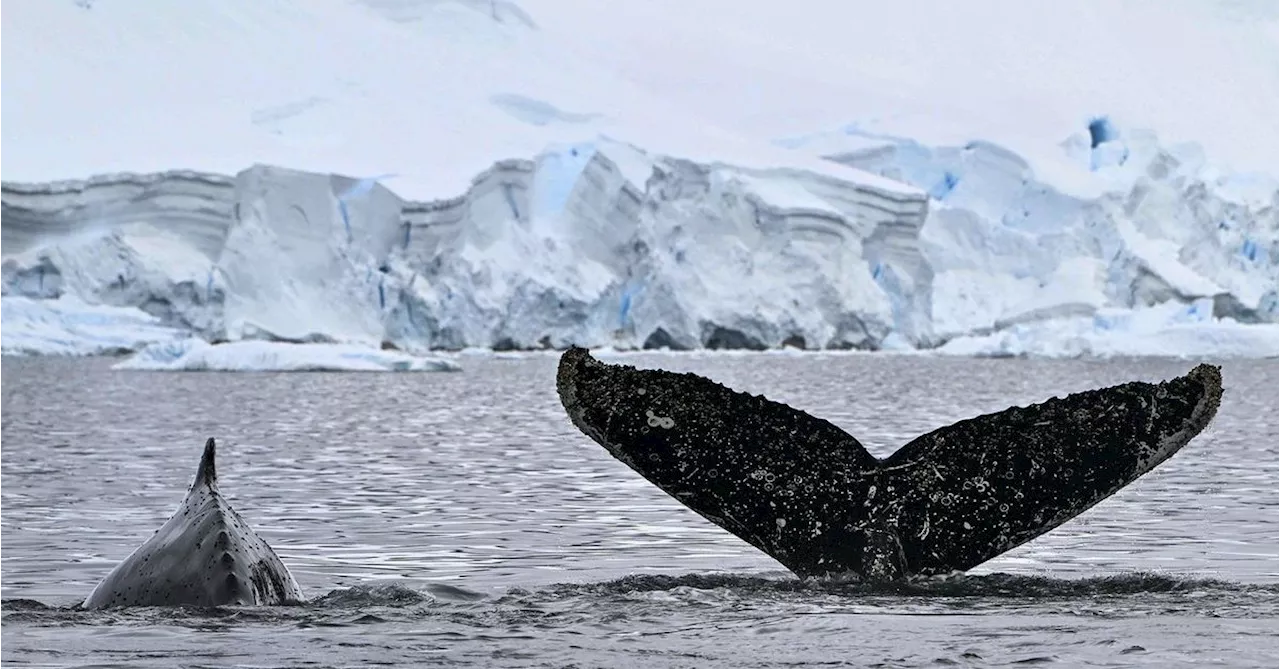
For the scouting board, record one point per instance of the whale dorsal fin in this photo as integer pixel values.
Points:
(808, 494)
(973, 490)
(207, 474)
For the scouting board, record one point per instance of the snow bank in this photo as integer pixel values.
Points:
(70, 327)
(194, 355)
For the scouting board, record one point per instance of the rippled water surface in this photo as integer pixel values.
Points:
(459, 519)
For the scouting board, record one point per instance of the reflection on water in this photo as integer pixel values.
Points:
(479, 526)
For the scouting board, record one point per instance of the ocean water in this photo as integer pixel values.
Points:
(460, 520)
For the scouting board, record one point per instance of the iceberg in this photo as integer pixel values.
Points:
(70, 327)
(195, 355)
(1168, 330)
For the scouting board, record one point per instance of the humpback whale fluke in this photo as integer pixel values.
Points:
(809, 495)
(204, 555)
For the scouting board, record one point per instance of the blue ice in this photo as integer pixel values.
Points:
(624, 306)
(944, 187)
(1249, 250)
(1101, 131)
(557, 174)
(360, 188)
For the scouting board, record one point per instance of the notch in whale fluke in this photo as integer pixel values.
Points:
(812, 497)
(207, 474)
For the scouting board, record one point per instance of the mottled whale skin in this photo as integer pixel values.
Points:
(204, 555)
(809, 495)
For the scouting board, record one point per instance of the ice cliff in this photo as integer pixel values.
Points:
(1135, 225)
(596, 243)
(603, 244)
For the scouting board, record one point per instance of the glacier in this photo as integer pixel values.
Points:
(600, 243)
(1132, 225)
(595, 243)
(549, 173)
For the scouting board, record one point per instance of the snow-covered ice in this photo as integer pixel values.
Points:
(1170, 329)
(564, 248)
(431, 174)
(195, 355)
(1024, 75)
(67, 326)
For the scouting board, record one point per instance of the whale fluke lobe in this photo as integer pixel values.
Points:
(975, 489)
(204, 555)
(808, 494)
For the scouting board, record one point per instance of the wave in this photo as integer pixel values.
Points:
(383, 602)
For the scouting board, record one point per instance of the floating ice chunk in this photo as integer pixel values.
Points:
(1170, 329)
(195, 355)
(68, 326)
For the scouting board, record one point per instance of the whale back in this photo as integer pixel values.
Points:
(204, 555)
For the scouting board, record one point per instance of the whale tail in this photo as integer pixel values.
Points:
(811, 496)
